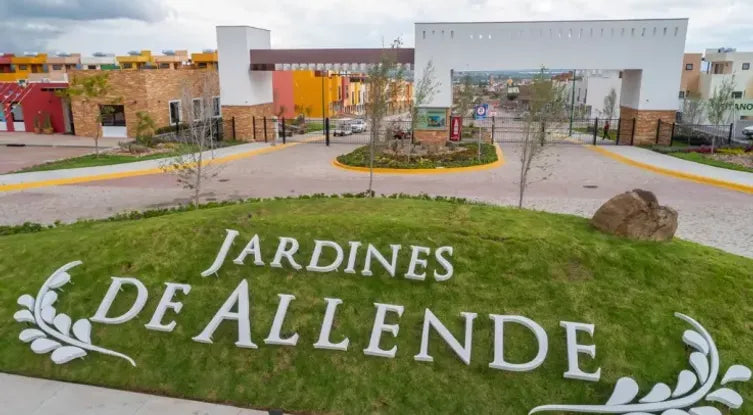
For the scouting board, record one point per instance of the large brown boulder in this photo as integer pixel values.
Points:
(636, 214)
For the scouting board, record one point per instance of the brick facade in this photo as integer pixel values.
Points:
(149, 91)
(646, 124)
(244, 123)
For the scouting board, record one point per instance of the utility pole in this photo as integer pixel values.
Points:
(572, 108)
(321, 74)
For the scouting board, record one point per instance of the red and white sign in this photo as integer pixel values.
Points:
(456, 127)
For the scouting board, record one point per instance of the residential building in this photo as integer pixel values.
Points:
(26, 106)
(316, 93)
(728, 64)
(136, 60)
(28, 64)
(205, 60)
(282, 91)
(592, 88)
(171, 59)
(99, 62)
(690, 82)
(7, 70)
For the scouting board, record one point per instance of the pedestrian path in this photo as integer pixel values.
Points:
(676, 167)
(56, 140)
(20, 181)
(33, 396)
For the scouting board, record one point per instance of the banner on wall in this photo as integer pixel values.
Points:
(456, 128)
(431, 119)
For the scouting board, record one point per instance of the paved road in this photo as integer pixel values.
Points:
(576, 181)
(16, 158)
(30, 396)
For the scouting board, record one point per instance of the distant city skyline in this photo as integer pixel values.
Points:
(88, 26)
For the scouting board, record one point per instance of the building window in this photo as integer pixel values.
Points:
(164, 65)
(112, 115)
(174, 107)
(91, 67)
(17, 111)
(746, 66)
(23, 67)
(197, 109)
(215, 106)
(688, 66)
(682, 94)
(127, 65)
(57, 67)
(202, 64)
(737, 94)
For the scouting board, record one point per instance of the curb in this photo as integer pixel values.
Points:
(133, 173)
(384, 170)
(674, 173)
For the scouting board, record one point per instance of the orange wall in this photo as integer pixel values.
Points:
(282, 90)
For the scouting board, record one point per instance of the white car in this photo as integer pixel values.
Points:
(358, 126)
(748, 132)
(342, 127)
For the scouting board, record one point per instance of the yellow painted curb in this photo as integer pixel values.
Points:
(673, 173)
(384, 170)
(142, 172)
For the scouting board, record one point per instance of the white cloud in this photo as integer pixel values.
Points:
(189, 24)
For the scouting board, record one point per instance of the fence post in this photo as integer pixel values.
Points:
(632, 133)
(729, 136)
(326, 131)
(232, 120)
(619, 129)
(596, 129)
(493, 126)
(264, 120)
(253, 123)
(658, 127)
(284, 136)
(672, 136)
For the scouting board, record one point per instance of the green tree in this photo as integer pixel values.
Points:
(90, 91)
(145, 127)
(720, 103)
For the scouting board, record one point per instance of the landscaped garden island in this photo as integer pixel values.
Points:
(386, 305)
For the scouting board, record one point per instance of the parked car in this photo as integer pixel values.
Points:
(748, 132)
(342, 127)
(358, 126)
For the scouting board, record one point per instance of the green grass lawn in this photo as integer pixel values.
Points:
(547, 267)
(705, 159)
(468, 157)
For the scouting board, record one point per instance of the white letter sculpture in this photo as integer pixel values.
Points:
(50, 325)
(681, 400)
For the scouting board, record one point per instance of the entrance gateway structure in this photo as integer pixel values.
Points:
(648, 52)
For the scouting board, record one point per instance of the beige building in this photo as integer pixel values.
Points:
(690, 82)
(156, 92)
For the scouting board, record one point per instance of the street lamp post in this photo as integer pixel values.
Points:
(572, 107)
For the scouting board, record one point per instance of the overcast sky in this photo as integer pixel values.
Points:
(118, 26)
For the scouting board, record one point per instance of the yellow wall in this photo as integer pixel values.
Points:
(33, 64)
(307, 93)
(137, 61)
(209, 60)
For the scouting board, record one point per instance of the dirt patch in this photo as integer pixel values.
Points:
(745, 160)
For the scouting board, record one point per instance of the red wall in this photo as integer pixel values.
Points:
(35, 99)
(282, 87)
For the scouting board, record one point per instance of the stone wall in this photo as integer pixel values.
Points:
(244, 123)
(149, 91)
(646, 124)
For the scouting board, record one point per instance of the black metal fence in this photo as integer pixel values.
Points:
(214, 128)
(679, 134)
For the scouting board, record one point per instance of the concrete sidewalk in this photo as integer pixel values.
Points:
(33, 396)
(127, 169)
(56, 140)
(673, 166)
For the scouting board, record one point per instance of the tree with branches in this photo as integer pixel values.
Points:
(466, 97)
(610, 104)
(693, 108)
(720, 103)
(195, 167)
(385, 80)
(87, 92)
(547, 106)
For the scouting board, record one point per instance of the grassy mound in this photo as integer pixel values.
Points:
(549, 268)
(467, 157)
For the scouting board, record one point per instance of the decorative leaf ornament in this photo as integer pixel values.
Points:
(52, 330)
(691, 389)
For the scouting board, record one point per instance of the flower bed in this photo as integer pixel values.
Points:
(464, 155)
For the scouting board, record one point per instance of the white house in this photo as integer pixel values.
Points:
(725, 63)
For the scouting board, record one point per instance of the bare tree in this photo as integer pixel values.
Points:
(547, 106)
(194, 167)
(385, 82)
(90, 92)
(720, 103)
(610, 104)
(466, 96)
(693, 108)
(423, 91)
